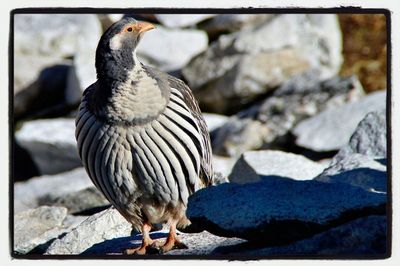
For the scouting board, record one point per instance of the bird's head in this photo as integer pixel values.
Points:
(116, 51)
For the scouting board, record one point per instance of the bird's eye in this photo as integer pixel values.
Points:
(129, 29)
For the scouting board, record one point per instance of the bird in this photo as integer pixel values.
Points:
(142, 138)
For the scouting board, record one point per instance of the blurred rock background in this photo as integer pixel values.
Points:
(295, 105)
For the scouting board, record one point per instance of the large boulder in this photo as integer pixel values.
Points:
(45, 46)
(51, 143)
(171, 49)
(331, 129)
(29, 194)
(252, 165)
(242, 60)
(34, 227)
(267, 125)
(277, 211)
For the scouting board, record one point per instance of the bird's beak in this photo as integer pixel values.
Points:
(144, 26)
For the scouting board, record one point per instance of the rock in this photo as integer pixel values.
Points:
(45, 45)
(278, 211)
(27, 194)
(214, 121)
(301, 97)
(252, 165)
(312, 40)
(181, 20)
(198, 243)
(369, 137)
(252, 75)
(159, 47)
(76, 201)
(365, 237)
(50, 140)
(227, 23)
(331, 129)
(37, 226)
(97, 228)
(223, 165)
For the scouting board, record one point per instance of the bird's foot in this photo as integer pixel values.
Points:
(149, 247)
(172, 243)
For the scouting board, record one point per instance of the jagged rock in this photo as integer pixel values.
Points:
(97, 228)
(181, 20)
(45, 46)
(76, 201)
(316, 39)
(51, 143)
(301, 97)
(252, 165)
(277, 211)
(37, 226)
(369, 137)
(214, 121)
(365, 237)
(158, 47)
(332, 129)
(27, 194)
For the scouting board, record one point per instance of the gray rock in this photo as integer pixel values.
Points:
(214, 121)
(267, 125)
(332, 129)
(223, 165)
(221, 24)
(314, 38)
(362, 237)
(28, 193)
(181, 20)
(45, 45)
(37, 226)
(278, 211)
(97, 228)
(369, 137)
(202, 243)
(159, 47)
(76, 201)
(51, 143)
(252, 165)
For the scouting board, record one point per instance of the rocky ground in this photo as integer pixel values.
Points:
(300, 151)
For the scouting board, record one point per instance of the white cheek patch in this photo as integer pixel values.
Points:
(115, 42)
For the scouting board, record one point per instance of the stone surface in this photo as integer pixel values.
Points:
(181, 20)
(27, 194)
(159, 47)
(214, 121)
(267, 124)
(97, 228)
(76, 201)
(314, 38)
(369, 137)
(331, 129)
(252, 165)
(278, 211)
(51, 143)
(362, 237)
(223, 165)
(36, 226)
(45, 45)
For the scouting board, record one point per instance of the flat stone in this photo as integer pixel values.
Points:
(214, 121)
(223, 165)
(27, 194)
(277, 211)
(253, 165)
(36, 226)
(50, 140)
(158, 47)
(181, 20)
(108, 224)
(331, 129)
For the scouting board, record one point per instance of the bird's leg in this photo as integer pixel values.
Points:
(146, 241)
(172, 241)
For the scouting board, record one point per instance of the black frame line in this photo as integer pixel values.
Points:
(243, 10)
